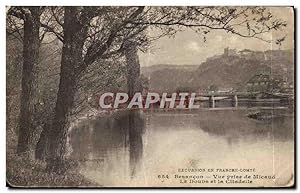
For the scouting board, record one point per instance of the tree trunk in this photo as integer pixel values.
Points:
(31, 46)
(74, 33)
(133, 68)
(42, 144)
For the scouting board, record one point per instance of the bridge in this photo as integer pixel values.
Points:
(235, 97)
(246, 97)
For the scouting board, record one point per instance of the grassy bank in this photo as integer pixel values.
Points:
(23, 172)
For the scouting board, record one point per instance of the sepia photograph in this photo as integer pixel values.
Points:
(150, 96)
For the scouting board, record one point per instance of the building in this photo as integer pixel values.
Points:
(258, 83)
(265, 82)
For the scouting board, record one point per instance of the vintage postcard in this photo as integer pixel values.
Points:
(150, 96)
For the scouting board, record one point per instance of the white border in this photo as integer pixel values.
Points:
(3, 3)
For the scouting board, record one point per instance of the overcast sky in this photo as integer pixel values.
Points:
(188, 47)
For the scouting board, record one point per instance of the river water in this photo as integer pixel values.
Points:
(112, 152)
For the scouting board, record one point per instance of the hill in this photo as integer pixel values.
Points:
(223, 72)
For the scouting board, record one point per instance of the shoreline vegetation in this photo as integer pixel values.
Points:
(26, 172)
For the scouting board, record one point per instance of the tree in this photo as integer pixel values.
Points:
(93, 33)
(76, 28)
(31, 44)
(13, 84)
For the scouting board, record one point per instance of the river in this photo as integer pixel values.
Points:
(112, 153)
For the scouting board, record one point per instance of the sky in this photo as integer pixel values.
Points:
(188, 47)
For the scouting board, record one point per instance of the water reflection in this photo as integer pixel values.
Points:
(130, 148)
(105, 142)
(235, 125)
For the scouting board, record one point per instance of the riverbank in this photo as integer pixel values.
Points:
(24, 172)
(220, 109)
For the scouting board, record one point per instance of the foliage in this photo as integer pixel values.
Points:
(24, 172)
